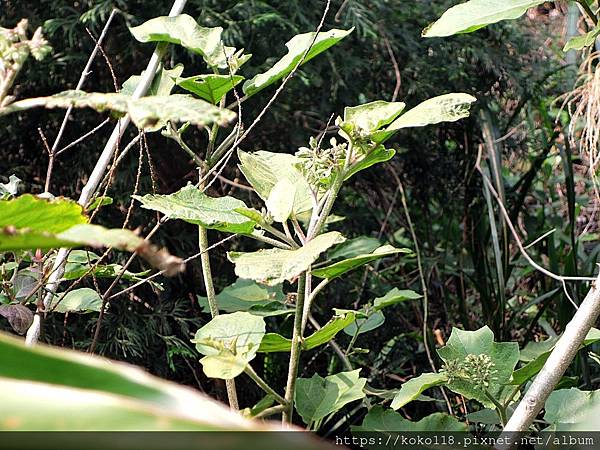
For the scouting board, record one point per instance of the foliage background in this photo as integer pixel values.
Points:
(506, 66)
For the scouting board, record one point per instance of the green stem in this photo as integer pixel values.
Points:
(290, 388)
(270, 412)
(499, 407)
(264, 386)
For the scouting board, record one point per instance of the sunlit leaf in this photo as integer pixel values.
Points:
(364, 325)
(193, 206)
(375, 156)
(339, 268)
(354, 247)
(264, 170)
(585, 40)
(280, 203)
(296, 46)
(395, 296)
(274, 266)
(475, 14)
(183, 30)
(162, 84)
(145, 112)
(239, 332)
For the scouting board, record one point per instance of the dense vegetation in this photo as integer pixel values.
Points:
(477, 239)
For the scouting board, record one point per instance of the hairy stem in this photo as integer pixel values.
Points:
(290, 389)
(264, 386)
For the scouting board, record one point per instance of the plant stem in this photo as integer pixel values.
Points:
(270, 412)
(212, 299)
(33, 333)
(501, 409)
(557, 363)
(290, 388)
(264, 386)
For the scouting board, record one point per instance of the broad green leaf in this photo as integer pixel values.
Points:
(394, 296)
(37, 214)
(444, 108)
(503, 357)
(339, 268)
(19, 316)
(162, 84)
(224, 365)
(317, 397)
(239, 332)
(535, 355)
(145, 112)
(585, 40)
(183, 30)
(100, 201)
(211, 87)
(264, 170)
(370, 117)
(247, 295)
(77, 300)
(570, 410)
(386, 421)
(280, 203)
(193, 206)
(274, 266)
(364, 325)
(354, 247)
(296, 46)
(53, 389)
(375, 156)
(273, 342)
(414, 387)
(475, 14)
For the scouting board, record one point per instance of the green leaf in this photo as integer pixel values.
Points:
(375, 156)
(239, 332)
(264, 170)
(36, 214)
(210, 87)
(145, 112)
(444, 108)
(247, 295)
(273, 342)
(354, 247)
(364, 325)
(475, 14)
(580, 42)
(274, 266)
(385, 421)
(183, 30)
(100, 201)
(53, 389)
(318, 397)
(296, 46)
(394, 296)
(162, 84)
(339, 268)
(280, 203)
(370, 117)
(224, 365)
(77, 300)
(414, 387)
(535, 355)
(504, 357)
(193, 206)
(570, 410)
